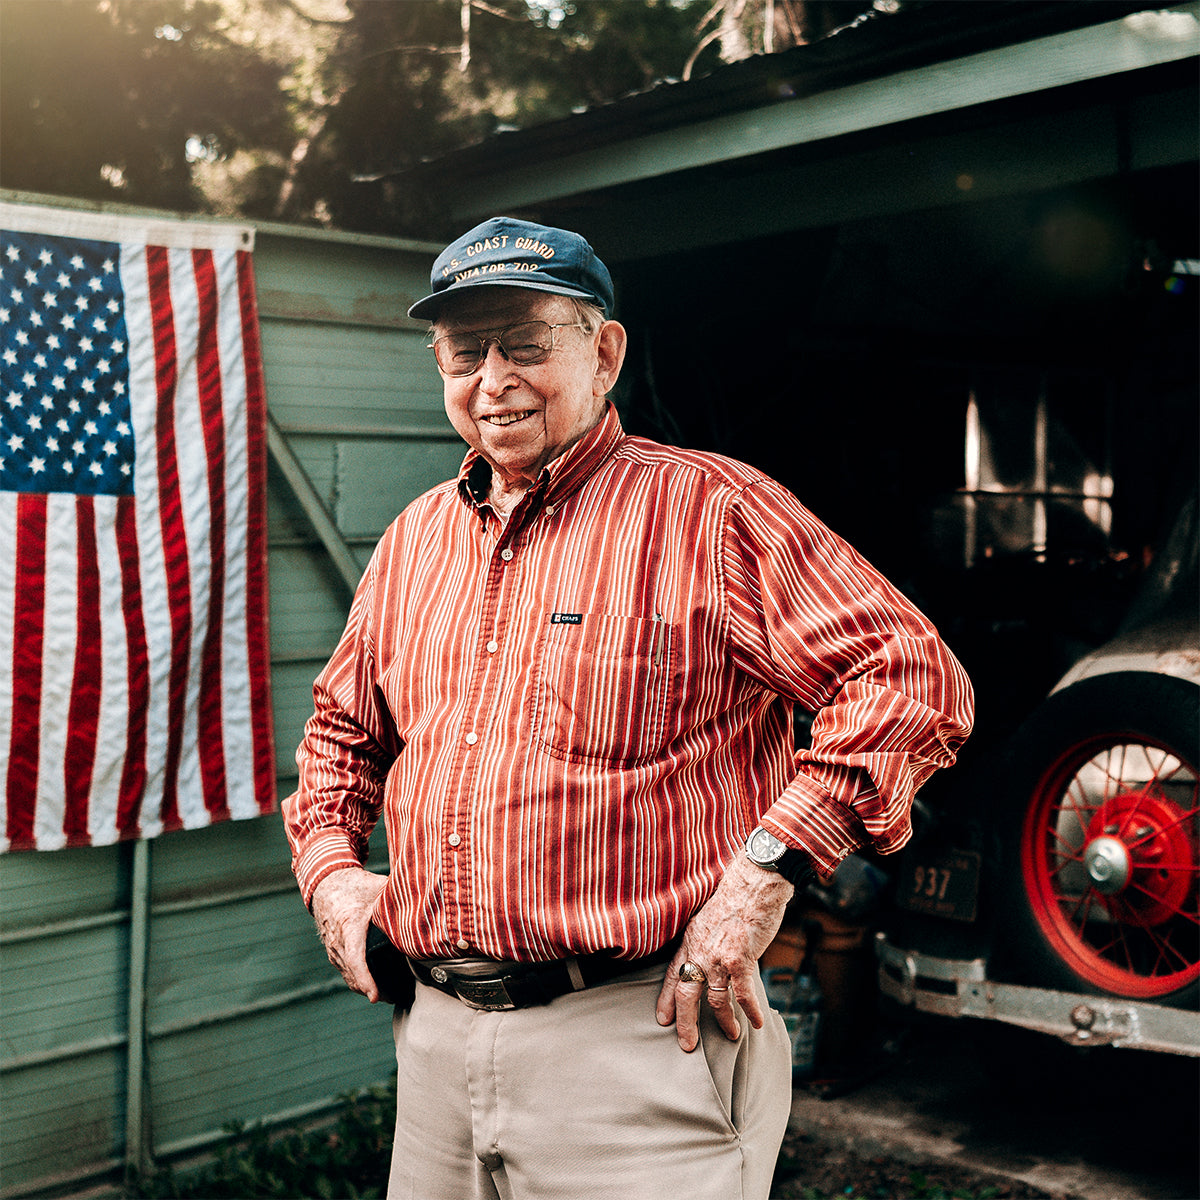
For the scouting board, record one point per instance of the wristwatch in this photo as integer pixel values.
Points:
(765, 850)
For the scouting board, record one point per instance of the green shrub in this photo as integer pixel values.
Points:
(345, 1160)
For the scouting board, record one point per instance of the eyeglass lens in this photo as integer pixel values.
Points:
(525, 344)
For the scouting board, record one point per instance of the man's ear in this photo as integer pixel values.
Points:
(610, 354)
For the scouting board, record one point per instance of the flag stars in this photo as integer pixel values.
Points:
(64, 409)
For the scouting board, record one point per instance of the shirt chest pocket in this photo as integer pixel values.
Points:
(603, 687)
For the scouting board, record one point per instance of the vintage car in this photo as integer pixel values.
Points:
(1062, 897)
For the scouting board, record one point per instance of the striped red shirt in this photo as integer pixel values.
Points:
(571, 722)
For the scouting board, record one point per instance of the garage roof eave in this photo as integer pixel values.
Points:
(660, 133)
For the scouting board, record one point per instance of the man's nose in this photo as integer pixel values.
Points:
(495, 366)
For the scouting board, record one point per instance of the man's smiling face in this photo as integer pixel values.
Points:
(522, 417)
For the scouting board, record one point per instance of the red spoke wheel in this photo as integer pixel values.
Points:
(1100, 841)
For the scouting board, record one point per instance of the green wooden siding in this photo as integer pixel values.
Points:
(244, 1017)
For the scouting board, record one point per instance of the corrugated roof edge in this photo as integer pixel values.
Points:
(922, 32)
(261, 228)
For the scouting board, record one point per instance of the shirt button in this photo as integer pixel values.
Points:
(492, 647)
(463, 944)
(454, 839)
(506, 554)
(549, 510)
(472, 738)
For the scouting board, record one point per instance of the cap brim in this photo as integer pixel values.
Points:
(427, 307)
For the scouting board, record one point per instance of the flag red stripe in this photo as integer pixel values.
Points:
(257, 636)
(83, 712)
(28, 630)
(174, 539)
(133, 771)
(208, 364)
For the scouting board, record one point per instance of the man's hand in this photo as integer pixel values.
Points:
(725, 938)
(341, 906)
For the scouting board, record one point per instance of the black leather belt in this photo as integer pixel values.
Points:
(496, 986)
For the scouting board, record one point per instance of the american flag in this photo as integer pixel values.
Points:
(134, 666)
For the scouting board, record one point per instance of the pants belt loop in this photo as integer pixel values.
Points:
(575, 974)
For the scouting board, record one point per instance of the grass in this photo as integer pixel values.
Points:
(347, 1160)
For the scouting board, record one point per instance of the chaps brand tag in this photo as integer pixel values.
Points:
(566, 618)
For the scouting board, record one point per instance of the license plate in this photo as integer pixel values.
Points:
(942, 884)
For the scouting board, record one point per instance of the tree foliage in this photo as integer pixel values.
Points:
(293, 109)
(120, 98)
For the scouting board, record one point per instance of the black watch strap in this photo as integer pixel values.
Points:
(796, 867)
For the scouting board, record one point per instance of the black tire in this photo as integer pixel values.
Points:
(1102, 778)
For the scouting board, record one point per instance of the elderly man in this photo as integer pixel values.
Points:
(567, 685)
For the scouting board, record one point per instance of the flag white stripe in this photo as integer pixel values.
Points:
(8, 571)
(191, 462)
(58, 666)
(143, 397)
(235, 667)
(113, 723)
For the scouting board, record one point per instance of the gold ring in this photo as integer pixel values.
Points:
(689, 972)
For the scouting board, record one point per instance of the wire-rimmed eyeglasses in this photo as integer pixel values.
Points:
(526, 344)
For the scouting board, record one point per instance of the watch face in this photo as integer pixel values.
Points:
(764, 847)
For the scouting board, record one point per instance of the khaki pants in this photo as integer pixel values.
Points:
(583, 1099)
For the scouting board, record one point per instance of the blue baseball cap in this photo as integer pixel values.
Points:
(506, 252)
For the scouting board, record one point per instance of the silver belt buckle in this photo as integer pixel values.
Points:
(487, 995)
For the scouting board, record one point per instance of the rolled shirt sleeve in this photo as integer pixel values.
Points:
(814, 621)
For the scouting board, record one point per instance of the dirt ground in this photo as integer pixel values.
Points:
(809, 1169)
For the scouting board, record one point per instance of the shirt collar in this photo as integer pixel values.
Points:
(560, 478)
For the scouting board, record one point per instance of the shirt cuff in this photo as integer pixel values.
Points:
(323, 853)
(806, 817)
